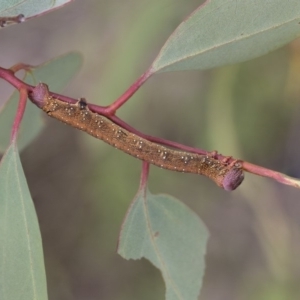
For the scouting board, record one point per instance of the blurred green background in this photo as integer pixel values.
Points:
(82, 187)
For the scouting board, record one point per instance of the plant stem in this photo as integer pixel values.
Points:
(9, 76)
(144, 175)
(109, 112)
(112, 108)
(19, 115)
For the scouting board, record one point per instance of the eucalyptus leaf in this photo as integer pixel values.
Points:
(22, 272)
(56, 73)
(172, 237)
(222, 32)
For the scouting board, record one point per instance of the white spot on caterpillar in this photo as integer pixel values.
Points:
(119, 133)
(164, 155)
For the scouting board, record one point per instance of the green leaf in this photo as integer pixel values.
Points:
(172, 237)
(28, 8)
(224, 32)
(56, 73)
(22, 273)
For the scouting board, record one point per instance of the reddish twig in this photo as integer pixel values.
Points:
(109, 112)
(280, 177)
(21, 66)
(144, 175)
(112, 108)
(19, 115)
(9, 76)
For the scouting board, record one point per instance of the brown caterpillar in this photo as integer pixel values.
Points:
(227, 176)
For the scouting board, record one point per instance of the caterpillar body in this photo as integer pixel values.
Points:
(227, 176)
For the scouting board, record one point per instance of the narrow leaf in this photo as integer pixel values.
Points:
(22, 273)
(172, 237)
(224, 32)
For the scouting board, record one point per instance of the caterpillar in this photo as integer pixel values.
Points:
(226, 175)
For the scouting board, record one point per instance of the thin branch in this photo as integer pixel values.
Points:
(280, 177)
(144, 175)
(9, 76)
(112, 108)
(19, 115)
(18, 67)
(109, 112)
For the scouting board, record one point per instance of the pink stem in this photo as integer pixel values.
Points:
(144, 175)
(112, 108)
(20, 66)
(109, 111)
(9, 76)
(261, 171)
(19, 115)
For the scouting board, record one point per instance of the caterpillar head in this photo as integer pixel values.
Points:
(233, 178)
(39, 95)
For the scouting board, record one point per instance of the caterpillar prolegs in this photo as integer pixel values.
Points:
(228, 176)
